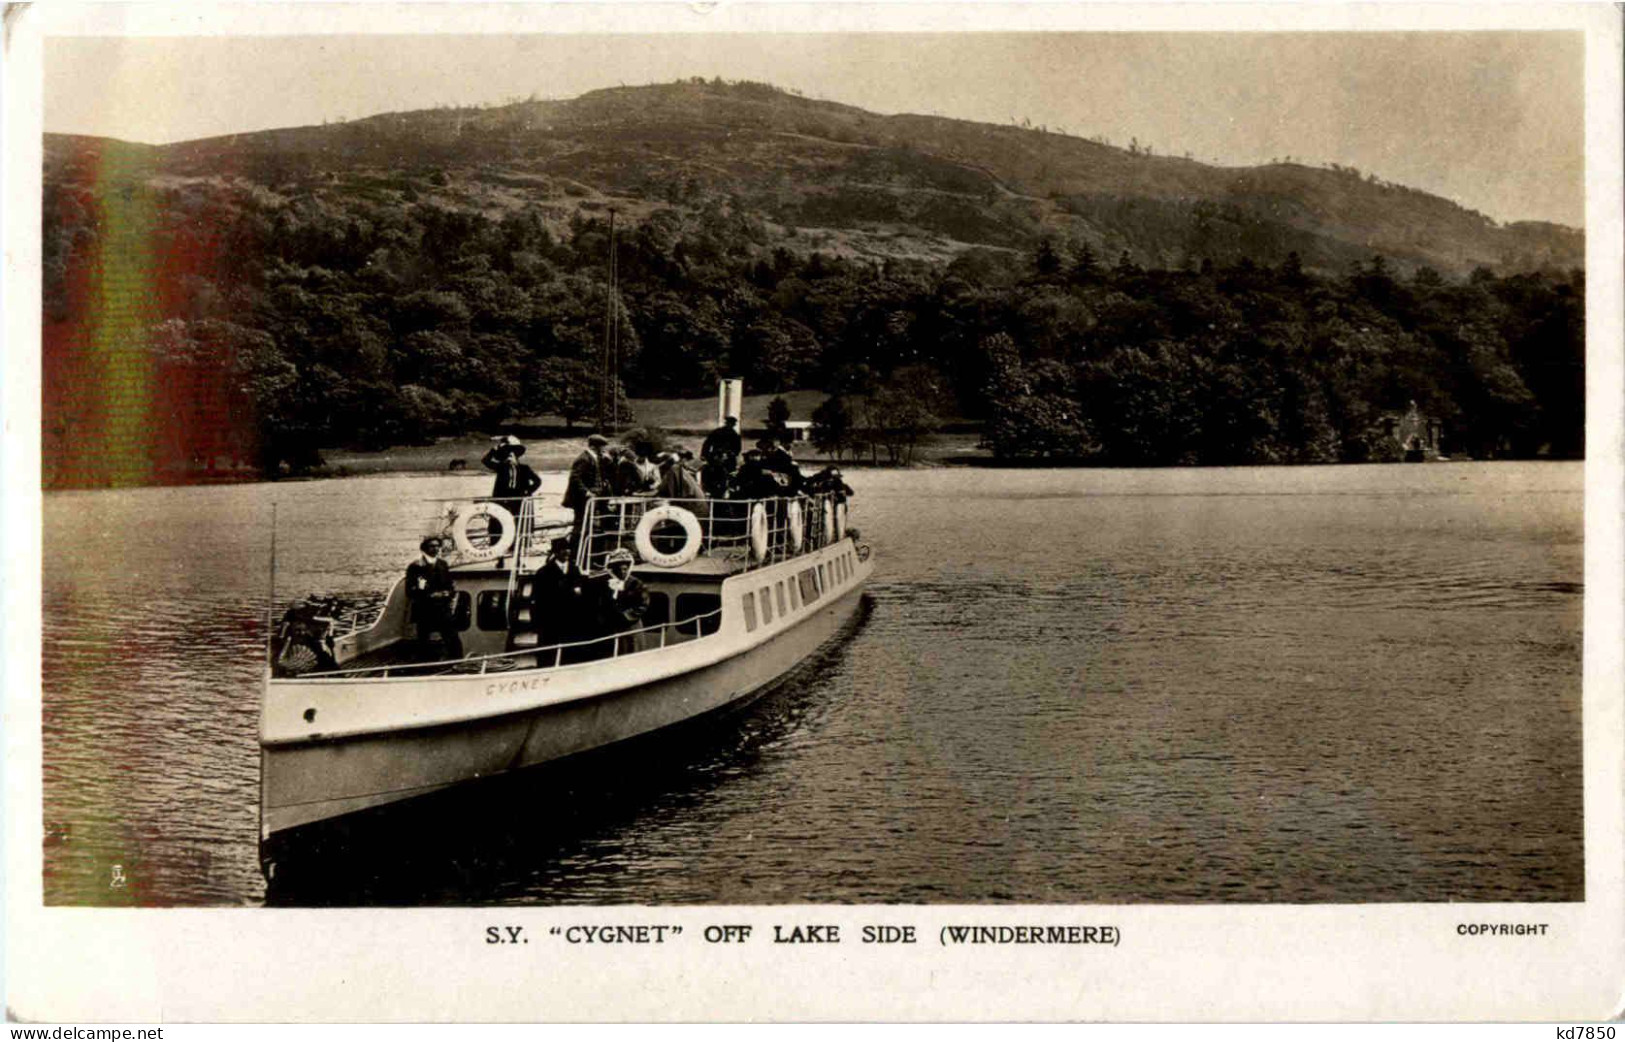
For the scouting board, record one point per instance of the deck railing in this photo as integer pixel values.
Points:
(611, 524)
(568, 653)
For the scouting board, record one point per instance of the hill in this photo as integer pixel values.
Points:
(815, 175)
(245, 303)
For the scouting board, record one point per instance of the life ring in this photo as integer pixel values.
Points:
(494, 511)
(829, 522)
(758, 531)
(643, 538)
(840, 521)
(792, 511)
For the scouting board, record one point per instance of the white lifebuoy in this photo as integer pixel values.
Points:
(840, 521)
(792, 511)
(758, 531)
(829, 522)
(643, 538)
(494, 511)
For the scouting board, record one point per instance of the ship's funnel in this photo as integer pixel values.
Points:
(730, 400)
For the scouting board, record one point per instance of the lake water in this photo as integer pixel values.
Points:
(1286, 684)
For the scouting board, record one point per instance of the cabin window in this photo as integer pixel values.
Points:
(659, 610)
(462, 616)
(808, 580)
(823, 579)
(702, 605)
(779, 589)
(749, 603)
(491, 610)
(767, 605)
(795, 599)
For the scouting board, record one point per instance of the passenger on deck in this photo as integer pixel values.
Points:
(515, 480)
(431, 593)
(309, 625)
(588, 478)
(829, 480)
(627, 478)
(720, 453)
(620, 597)
(753, 480)
(560, 599)
(777, 462)
(587, 474)
(648, 470)
(676, 480)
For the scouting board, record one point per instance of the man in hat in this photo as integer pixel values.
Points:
(558, 595)
(588, 478)
(720, 453)
(515, 480)
(829, 480)
(676, 480)
(627, 478)
(752, 481)
(431, 595)
(777, 461)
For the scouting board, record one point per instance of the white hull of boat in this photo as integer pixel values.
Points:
(332, 747)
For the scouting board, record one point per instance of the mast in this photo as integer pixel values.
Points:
(609, 406)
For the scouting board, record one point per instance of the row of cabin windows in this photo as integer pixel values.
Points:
(489, 611)
(807, 586)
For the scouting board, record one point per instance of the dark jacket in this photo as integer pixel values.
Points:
(629, 479)
(430, 591)
(586, 479)
(722, 443)
(560, 602)
(825, 481)
(678, 482)
(755, 481)
(514, 479)
(622, 611)
(781, 463)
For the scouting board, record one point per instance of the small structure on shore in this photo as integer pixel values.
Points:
(1416, 436)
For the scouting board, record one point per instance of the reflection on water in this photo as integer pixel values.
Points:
(1285, 684)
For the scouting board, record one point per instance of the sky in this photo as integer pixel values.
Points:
(1492, 120)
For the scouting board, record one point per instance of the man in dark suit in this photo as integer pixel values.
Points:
(588, 477)
(720, 451)
(777, 461)
(431, 594)
(559, 598)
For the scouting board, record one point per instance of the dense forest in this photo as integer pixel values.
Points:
(254, 326)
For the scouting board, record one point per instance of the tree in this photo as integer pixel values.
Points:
(778, 417)
(832, 427)
(899, 415)
(568, 388)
